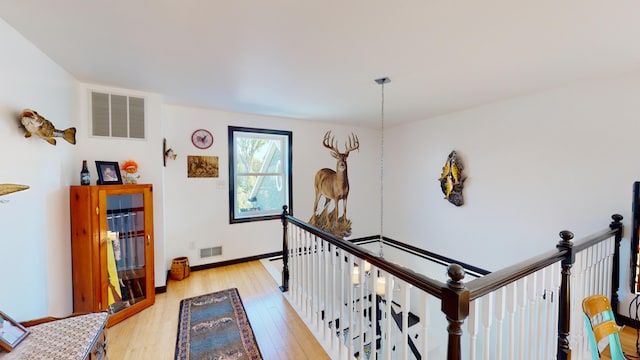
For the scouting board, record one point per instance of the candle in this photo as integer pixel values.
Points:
(381, 286)
(355, 278)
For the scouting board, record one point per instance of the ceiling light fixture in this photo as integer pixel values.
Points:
(381, 82)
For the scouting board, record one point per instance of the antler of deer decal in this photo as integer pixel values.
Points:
(334, 185)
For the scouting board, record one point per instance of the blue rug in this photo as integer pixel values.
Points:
(215, 326)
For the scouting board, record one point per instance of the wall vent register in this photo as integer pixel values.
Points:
(212, 251)
(118, 116)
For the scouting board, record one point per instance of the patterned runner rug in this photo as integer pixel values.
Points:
(215, 326)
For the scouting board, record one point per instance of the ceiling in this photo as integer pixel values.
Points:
(317, 60)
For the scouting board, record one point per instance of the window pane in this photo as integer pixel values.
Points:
(250, 153)
(275, 165)
(259, 193)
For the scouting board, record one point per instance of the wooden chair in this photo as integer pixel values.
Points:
(601, 323)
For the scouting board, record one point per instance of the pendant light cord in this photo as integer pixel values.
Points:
(382, 81)
(382, 170)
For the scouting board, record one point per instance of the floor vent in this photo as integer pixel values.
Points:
(212, 251)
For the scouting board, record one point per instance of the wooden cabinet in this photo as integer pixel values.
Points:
(112, 249)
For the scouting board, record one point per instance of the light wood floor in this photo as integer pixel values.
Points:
(628, 341)
(281, 335)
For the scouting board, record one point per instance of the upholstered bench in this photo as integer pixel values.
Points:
(75, 337)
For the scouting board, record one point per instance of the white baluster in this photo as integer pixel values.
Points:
(487, 321)
(511, 311)
(327, 288)
(294, 278)
(319, 289)
(362, 301)
(375, 306)
(552, 324)
(532, 293)
(600, 259)
(500, 313)
(388, 343)
(577, 327)
(335, 296)
(351, 308)
(472, 326)
(590, 272)
(424, 323)
(406, 305)
(610, 250)
(305, 274)
(345, 283)
(313, 288)
(521, 287)
(543, 310)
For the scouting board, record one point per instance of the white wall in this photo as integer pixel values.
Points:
(147, 153)
(34, 224)
(562, 159)
(197, 209)
(536, 165)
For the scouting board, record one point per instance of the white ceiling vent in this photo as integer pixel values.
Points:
(117, 116)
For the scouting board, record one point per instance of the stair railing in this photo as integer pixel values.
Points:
(362, 306)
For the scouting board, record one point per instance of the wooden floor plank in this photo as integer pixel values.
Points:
(280, 333)
(628, 337)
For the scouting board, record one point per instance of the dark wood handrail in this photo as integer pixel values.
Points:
(431, 286)
(477, 287)
(456, 295)
(497, 279)
(433, 257)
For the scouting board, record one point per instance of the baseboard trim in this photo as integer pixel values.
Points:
(225, 263)
(624, 320)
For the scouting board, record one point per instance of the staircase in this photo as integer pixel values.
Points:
(414, 331)
(359, 305)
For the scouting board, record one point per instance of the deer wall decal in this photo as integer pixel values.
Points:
(334, 185)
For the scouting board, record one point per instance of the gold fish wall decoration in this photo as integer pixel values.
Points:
(6, 189)
(36, 124)
(451, 180)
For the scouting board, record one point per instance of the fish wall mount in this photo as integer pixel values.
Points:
(6, 189)
(35, 124)
(452, 180)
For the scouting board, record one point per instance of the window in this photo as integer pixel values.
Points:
(635, 240)
(259, 173)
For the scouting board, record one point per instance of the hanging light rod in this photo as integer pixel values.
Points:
(381, 82)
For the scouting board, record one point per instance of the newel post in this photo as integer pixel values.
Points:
(616, 224)
(455, 305)
(564, 299)
(285, 249)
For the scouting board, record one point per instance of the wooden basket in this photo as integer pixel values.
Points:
(180, 268)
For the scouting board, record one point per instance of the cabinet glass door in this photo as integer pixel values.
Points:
(125, 251)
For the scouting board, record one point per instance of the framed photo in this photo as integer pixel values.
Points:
(202, 166)
(108, 172)
(11, 332)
